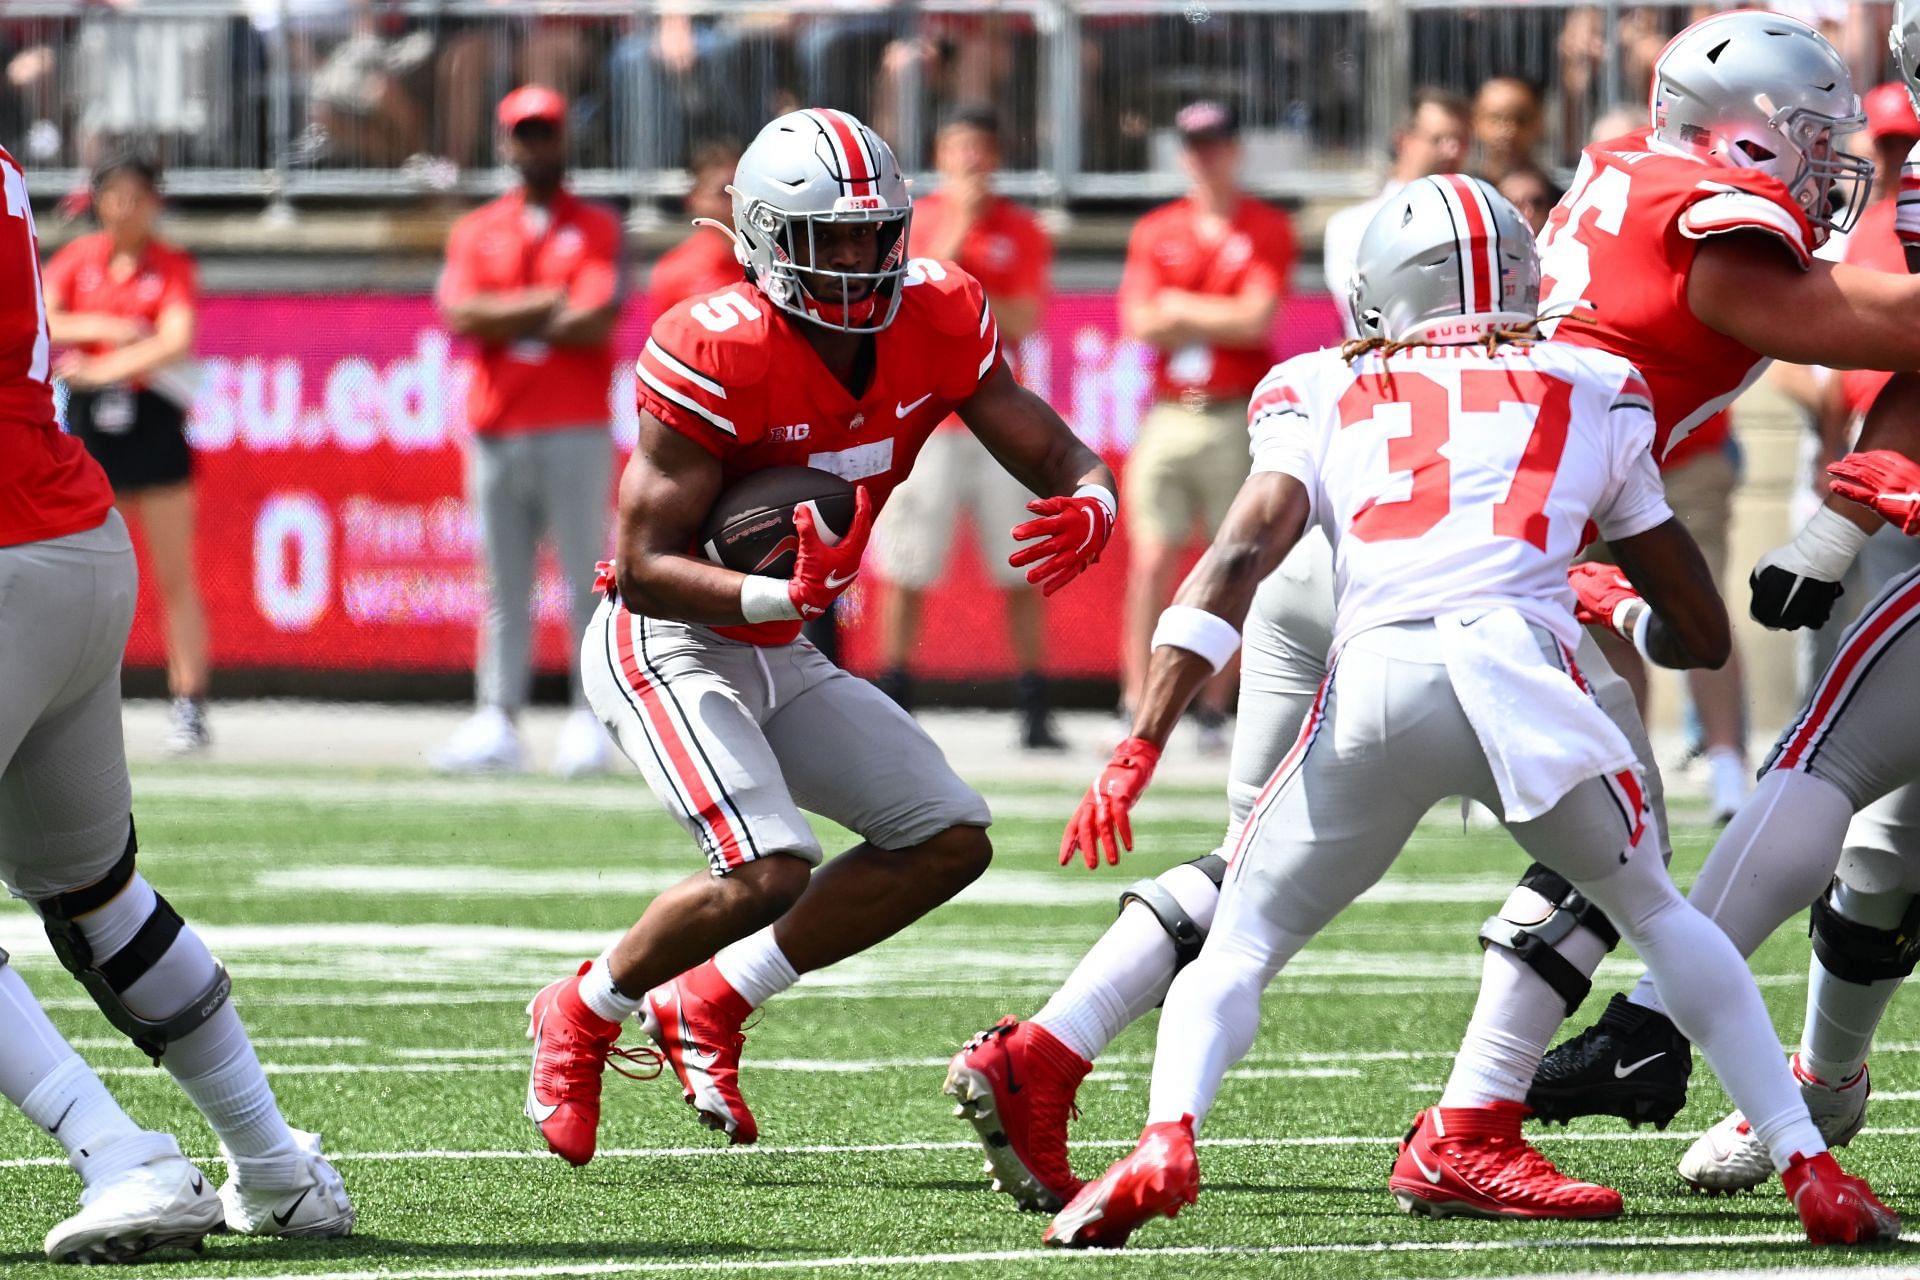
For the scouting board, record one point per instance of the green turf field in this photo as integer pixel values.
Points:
(384, 932)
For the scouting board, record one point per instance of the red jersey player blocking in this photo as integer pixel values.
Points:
(1454, 467)
(67, 847)
(841, 354)
(1688, 249)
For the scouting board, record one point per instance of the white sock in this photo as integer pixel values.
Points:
(599, 994)
(214, 1064)
(1726, 778)
(1712, 999)
(756, 967)
(1211, 1015)
(1127, 971)
(1513, 1022)
(1842, 1016)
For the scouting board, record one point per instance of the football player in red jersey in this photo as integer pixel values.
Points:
(841, 354)
(67, 847)
(1686, 248)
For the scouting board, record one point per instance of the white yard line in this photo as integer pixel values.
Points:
(851, 1262)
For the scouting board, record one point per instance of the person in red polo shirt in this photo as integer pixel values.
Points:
(1204, 279)
(533, 279)
(704, 262)
(1004, 247)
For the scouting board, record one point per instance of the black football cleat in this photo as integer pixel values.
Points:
(1633, 1064)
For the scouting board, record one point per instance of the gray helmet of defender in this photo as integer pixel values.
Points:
(1446, 260)
(1763, 91)
(1904, 39)
(810, 168)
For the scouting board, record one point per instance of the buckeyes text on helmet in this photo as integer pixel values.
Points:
(1447, 260)
(1760, 90)
(807, 177)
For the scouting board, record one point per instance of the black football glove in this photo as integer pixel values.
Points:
(1787, 596)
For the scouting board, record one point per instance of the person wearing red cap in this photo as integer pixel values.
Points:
(533, 280)
(1204, 278)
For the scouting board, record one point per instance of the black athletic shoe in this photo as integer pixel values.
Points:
(1633, 1064)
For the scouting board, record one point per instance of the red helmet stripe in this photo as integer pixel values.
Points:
(859, 170)
(1478, 259)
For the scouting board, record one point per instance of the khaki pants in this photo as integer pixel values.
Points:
(1185, 470)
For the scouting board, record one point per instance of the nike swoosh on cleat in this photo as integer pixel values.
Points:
(199, 1186)
(284, 1218)
(902, 410)
(690, 1052)
(55, 1126)
(1622, 1070)
(1431, 1175)
(537, 1111)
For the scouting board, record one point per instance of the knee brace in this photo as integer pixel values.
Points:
(1522, 927)
(1188, 937)
(1855, 952)
(106, 979)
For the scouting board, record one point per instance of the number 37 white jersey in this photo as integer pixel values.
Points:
(1449, 479)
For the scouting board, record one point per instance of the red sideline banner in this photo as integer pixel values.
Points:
(334, 532)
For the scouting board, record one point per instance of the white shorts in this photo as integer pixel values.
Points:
(735, 739)
(66, 606)
(953, 473)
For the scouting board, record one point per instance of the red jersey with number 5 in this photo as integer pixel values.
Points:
(1450, 479)
(736, 375)
(1622, 242)
(49, 485)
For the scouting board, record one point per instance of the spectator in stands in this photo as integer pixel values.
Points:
(553, 49)
(1508, 122)
(1532, 192)
(1431, 139)
(1003, 246)
(124, 302)
(1204, 279)
(361, 110)
(689, 75)
(705, 260)
(534, 280)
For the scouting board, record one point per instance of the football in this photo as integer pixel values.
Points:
(751, 525)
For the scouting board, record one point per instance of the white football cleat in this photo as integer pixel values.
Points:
(154, 1199)
(1729, 1158)
(582, 749)
(485, 742)
(301, 1195)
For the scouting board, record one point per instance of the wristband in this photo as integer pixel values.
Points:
(1198, 632)
(1827, 544)
(1641, 628)
(766, 600)
(1102, 495)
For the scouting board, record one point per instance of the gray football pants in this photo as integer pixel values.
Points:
(66, 606)
(523, 486)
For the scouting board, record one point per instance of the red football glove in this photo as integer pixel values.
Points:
(822, 570)
(1888, 482)
(1068, 535)
(1598, 592)
(1103, 813)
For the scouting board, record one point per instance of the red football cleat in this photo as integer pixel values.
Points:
(1015, 1082)
(695, 1019)
(1159, 1178)
(571, 1046)
(1834, 1206)
(1473, 1161)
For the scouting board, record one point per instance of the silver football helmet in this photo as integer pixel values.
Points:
(1446, 260)
(1763, 91)
(806, 169)
(1904, 39)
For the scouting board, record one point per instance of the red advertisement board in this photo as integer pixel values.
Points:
(334, 532)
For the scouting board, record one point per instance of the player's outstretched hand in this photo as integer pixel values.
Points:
(1886, 481)
(822, 569)
(1598, 592)
(1101, 820)
(1065, 537)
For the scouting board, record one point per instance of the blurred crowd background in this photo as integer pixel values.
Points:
(335, 525)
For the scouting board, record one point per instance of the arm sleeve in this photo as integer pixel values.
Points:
(1730, 210)
(1906, 214)
(681, 380)
(1279, 432)
(1637, 500)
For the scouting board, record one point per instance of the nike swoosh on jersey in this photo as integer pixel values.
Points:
(1431, 1175)
(1622, 1070)
(902, 410)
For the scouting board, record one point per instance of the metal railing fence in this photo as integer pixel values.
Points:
(301, 98)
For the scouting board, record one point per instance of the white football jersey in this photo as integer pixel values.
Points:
(1450, 479)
